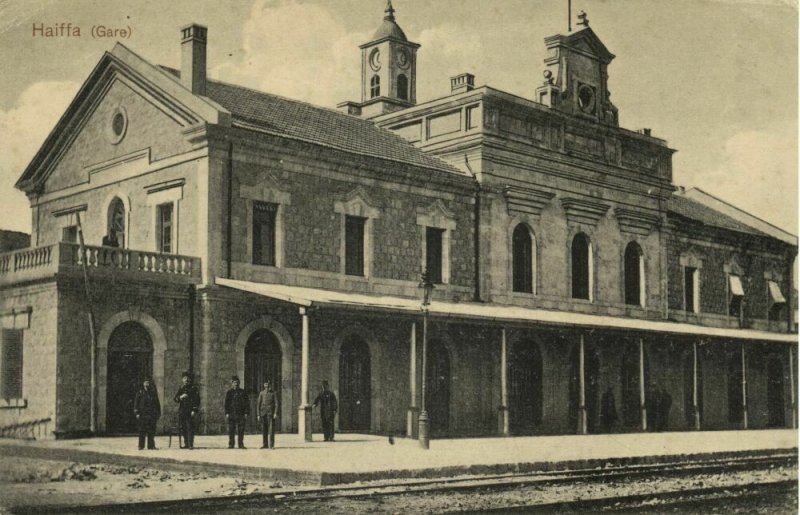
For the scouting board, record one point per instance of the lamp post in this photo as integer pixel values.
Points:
(427, 290)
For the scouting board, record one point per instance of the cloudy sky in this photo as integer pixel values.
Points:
(716, 78)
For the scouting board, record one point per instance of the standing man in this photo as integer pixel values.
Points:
(328, 406)
(267, 411)
(147, 410)
(237, 407)
(188, 399)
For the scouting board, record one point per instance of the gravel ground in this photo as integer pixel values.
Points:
(32, 482)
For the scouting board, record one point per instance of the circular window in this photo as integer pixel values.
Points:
(586, 98)
(118, 125)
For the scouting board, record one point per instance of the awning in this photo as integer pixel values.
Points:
(736, 285)
(489, 312)
(775, 293)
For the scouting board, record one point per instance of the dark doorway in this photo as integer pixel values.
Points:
(688, 388)
(355, 390)
(438, 388)
(776, 414)
(525, 388)
(130, 361)
(735, 394)
(631, 395)
(591, 374)
(262, 362)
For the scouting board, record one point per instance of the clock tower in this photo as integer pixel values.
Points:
(388, 71)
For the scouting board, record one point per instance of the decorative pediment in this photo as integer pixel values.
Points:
(580, 210)
(267, 189)
(635, 222)
(526, 200)
(150, 82)
(586, 41)
(436, 215)
(357, 203)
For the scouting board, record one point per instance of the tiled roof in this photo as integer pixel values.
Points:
(698, 212)
(314, 124)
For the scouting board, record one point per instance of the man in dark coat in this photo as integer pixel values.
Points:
(147, 410)
(328, 406)
(188, 399)
(237, 408)
(267, 412)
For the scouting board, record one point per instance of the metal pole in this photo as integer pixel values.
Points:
(791, 389)
(424, 437)
(305, 409)
(412, 379)
(642, 399)
(582, 422)
(695, 406)
(92, 332)
(505, 429)
(744, 389)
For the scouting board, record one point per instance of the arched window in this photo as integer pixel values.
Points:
(375, 87)
(634, 275)
(582, 270)
(115, 224)
(402, 87)
(522, 256)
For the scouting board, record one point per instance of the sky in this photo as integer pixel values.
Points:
(717, 79)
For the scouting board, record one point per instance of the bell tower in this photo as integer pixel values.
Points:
(388, 71)
(576, 77)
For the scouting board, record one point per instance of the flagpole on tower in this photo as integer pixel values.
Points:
(569, 15)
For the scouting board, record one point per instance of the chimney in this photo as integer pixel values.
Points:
(193, 58)
(462, 83)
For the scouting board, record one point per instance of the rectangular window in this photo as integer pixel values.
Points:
(433, 253)
(164, 227)
(264, 219)
(69, 234)
(11, 359)
(690, 289)
(354, 245)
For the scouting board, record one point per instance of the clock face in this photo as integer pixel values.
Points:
(403, 58)
(586, 98)
(375, 59)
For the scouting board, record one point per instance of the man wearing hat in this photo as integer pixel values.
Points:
(237, 408)
(188, 399)
(147, 410)
(267, 412)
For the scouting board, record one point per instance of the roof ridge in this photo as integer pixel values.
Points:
(704, 192)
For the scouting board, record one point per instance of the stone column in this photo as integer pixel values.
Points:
(304, 411)
(642, 399)
(503, 415)
(413, 411)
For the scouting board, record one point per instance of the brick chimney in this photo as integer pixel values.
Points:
(461, 83)
(193, 58)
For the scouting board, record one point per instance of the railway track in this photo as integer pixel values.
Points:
(481, 485)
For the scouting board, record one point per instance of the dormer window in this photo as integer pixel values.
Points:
(375, 86)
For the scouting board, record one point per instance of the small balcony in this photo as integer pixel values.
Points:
(41, 263)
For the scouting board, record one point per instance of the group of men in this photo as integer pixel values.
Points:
(147, 409)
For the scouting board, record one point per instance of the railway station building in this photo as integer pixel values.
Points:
(182, 223)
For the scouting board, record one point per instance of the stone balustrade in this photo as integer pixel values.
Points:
(40, 262)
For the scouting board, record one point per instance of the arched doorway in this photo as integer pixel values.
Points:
(438, 388)
(262, 362)
(525, 388)
(591, 377)
(631, 395)
(130, 361)
(776, 408)
(355, 390)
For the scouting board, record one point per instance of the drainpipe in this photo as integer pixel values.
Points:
(191, 300)
(477, 232)
(229, 242)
